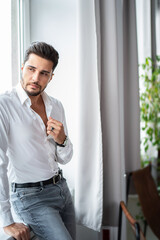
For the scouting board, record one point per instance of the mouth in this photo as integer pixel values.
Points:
(34, 86)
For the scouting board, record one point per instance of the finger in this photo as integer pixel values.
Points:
(17, 238)
(55, 124)
(53, 132)
(23, 235)
(54, 121)
(27, 233)
(52, 127)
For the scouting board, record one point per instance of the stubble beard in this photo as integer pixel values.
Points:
(30, 93)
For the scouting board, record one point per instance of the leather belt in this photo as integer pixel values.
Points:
(55, 179)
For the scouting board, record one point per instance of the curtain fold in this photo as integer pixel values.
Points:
(89, 170)
(119, 101)
(131, 87)
(112, 108)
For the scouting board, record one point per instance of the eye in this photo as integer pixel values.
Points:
(31, 69)
(44, 74)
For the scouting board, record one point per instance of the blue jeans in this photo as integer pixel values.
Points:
(48, 210)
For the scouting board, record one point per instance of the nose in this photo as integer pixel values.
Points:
(35, 76)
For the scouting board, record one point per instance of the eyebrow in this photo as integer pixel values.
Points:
(44, 71)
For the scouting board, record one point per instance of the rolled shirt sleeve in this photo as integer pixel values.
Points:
(64, 154)
(5, 207)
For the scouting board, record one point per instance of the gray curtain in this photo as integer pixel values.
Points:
(119, 101)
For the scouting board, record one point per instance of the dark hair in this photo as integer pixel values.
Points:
(43, 50)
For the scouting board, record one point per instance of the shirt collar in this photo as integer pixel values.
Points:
(46, 98)
(47, 101)
(24, 97)
(22, 94)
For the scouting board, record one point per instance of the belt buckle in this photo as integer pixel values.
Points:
(59, 178)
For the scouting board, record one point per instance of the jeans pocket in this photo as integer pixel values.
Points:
(28, 192)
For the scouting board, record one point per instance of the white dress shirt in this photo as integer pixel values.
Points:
(26, 151)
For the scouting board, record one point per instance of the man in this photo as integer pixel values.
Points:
(33, 140)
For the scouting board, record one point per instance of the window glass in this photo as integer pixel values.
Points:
(5, 46)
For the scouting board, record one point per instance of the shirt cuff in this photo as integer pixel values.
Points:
(64, 148)
(64, 154)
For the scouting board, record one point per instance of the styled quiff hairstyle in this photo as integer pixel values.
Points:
(43, 50)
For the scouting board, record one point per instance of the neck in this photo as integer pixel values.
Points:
(36, 100)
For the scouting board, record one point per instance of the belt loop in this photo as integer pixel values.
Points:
(60, 172)
(54, 179)
(41, 183)
(13, 187)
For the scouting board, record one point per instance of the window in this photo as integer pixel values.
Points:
(5, 46)
(148, 19)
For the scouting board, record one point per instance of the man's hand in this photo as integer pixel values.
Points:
(56, 130)
(18, 230)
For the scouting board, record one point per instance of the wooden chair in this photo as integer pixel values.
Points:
(133, 223)
(149, 198)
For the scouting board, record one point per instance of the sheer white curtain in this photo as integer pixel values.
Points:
(89, 169)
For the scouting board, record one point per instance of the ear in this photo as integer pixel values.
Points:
(22, 67)
(51, 77)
